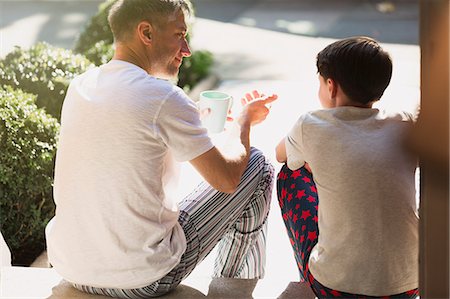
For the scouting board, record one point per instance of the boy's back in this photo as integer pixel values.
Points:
(366, 221)
(365, 183)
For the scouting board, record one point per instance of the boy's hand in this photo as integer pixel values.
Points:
(307, 167)
(256, 107)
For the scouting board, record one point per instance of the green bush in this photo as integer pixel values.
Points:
(96, 30)
(43, 70)
(95, 42)
(194, 68)
(100, 53)
(28, 138)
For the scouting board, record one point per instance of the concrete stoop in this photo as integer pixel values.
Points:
(32, 282)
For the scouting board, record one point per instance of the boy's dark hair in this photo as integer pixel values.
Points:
(124, 15)
(359, 65)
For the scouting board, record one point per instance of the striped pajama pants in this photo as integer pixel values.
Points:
(237, 222)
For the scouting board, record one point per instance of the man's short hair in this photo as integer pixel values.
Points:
(124, 15)
(359, 65)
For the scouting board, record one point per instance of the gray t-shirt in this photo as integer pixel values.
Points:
(121, 132)
(368, 222)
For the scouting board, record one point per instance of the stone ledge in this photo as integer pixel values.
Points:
(25, 282)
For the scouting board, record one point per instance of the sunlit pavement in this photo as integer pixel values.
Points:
(248, 56)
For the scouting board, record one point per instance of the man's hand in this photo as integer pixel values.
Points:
(222, 171)
(256, 107)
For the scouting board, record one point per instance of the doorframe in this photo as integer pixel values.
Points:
(431, 141)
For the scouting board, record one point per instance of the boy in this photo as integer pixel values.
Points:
(368, 223)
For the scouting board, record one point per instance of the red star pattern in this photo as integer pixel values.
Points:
(283, 193)
(313, 189)
(300, 194)
(295, 174)
(306, 179)
(295, 218)
(315, 218)
(305, 214)
(289, 197)
(312, 236)
(311, 199)
(335, 293)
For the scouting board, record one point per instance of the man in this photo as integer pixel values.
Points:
(116, 231)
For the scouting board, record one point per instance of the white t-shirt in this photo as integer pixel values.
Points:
(121, 130)
(368, 223)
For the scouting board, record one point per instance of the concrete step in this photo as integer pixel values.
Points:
(32, 282)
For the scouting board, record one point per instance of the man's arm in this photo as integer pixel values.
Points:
(223, 170)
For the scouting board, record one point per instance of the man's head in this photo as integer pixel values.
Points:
(125, 15)
(151, 34)
(359, 66)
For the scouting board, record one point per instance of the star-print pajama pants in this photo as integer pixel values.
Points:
(297, 196)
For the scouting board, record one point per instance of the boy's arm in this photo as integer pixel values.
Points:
(281, 151)
(282, 156)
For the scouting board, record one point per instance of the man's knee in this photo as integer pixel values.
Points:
(265, 175)
(259, 161)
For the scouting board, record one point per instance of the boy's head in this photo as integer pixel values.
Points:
(359, 66)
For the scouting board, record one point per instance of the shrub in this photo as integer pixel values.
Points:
(28, 138)
(43, 70)
(96, 30)
(95, 42)
(100, 53)
(194, 68)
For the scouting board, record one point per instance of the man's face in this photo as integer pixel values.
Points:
(169, 47)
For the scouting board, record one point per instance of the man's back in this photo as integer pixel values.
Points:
(113, 167)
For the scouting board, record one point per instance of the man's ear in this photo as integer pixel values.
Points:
(144, 31)
(332, 88)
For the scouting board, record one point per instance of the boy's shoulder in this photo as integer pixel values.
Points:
(356, 113)
(403, 116)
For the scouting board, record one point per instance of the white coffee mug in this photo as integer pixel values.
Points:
(218, 103)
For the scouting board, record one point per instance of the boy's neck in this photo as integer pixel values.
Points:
(343, 101)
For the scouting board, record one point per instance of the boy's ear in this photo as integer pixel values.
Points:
(332, 88)
(144, 31)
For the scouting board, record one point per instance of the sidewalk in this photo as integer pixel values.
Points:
(248, 58)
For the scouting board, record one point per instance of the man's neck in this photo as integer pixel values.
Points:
(130, 54)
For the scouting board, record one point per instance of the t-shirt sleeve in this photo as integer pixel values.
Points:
(180, 127)
(294, 146)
